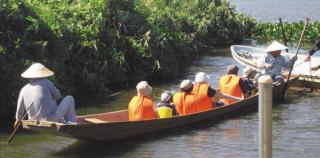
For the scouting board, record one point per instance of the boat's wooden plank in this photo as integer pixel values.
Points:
(116, 116)
(94, 120)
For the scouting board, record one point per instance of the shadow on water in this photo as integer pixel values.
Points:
(125, 146)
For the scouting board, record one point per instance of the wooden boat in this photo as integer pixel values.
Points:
(248, 56)
(115, 125)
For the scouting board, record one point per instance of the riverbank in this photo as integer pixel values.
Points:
(96, 46)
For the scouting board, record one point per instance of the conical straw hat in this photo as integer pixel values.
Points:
(37, 70)
(275, 45)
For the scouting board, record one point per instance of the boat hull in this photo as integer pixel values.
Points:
(117, 126)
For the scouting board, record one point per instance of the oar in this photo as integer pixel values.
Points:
(283, 33)
(296, 54)
(15, 130)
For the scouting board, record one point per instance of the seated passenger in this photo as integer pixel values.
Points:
(184, 100)
(141, 107)
(39, 98)
(273, 62)
(233, 85)
(166, 107)
(203, 92)
(248, 78)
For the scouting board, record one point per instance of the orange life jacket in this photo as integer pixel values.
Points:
(200, 90)
(141, 108)
(185, 103)
(229, 84)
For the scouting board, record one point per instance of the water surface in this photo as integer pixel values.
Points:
(296, 128)
(271, 10)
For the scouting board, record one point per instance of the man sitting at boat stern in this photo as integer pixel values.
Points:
(39, 98)
(233, 85)
(273, 62)
(142, 107)
(166, 108)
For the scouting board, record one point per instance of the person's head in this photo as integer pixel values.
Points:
(36, 71)
(232, 70)
(166, 97)
(248, 72)
(202, 77)
(275, 48)
(143, 88)
(316, 46)
(186, 86)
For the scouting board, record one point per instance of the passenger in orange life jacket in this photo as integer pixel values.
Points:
(204, 93)
(232, 84)
(166, 108)
(141, 107)
(184, 100)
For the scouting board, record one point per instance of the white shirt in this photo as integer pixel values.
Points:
(39, 98)
(278, 63)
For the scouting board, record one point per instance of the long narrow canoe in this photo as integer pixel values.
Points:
(115, 125)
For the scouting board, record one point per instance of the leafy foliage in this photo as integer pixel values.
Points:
(95, 45)
(270, 31)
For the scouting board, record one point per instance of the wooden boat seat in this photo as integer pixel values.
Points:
(95, 120)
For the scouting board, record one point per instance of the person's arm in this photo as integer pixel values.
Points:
(20, 110)
(315, 68)
(288, 64)
(155, 111)
(226, 96)
(310, 53)
(262, 64)
(54, 91)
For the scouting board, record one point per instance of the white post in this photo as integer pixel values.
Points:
(265, 118)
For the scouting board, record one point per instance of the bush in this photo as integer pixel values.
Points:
(96, 45)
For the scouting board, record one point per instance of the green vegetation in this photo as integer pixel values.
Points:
(270, 31)
(95, 45)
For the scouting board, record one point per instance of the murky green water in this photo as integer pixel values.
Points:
(296, 128)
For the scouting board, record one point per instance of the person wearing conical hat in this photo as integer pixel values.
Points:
(39, 98)
(273, 62)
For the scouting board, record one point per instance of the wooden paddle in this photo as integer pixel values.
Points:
(15, 129)
(296, 54)
(283, 33)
